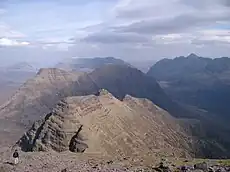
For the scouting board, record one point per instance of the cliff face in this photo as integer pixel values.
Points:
(105, 125)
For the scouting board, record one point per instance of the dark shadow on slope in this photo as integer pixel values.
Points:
(76, 143)
(9, 163)
(26, 144)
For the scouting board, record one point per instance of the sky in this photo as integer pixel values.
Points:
(49, 30)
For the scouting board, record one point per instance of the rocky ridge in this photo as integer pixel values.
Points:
(105, 125)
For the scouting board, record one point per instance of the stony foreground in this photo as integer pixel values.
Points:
(57, 162)
(71, 162)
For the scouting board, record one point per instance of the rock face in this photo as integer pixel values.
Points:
(105, 125)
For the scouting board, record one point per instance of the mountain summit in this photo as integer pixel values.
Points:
(192, 55)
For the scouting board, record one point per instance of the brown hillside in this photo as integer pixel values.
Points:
(105, 125)
(37, 97)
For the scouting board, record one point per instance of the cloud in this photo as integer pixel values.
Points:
(7, 31)
(2, 11)
(212, 37)
(123, 28)
(172, 16)
(176, 24)
(151, 26)
(115, 38)
(9, 42)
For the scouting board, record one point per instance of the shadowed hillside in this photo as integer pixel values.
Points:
(198, 81)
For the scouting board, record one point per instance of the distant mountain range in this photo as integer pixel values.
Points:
(198, 81)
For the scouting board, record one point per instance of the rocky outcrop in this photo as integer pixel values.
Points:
(105, 125)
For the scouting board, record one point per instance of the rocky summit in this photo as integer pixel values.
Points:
(104, 125)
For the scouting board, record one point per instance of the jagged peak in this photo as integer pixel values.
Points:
(192, 55)
(129, 98)
(103, 92)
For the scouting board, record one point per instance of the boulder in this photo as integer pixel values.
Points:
(201, 166)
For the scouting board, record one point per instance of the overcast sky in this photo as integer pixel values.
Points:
(47, 30)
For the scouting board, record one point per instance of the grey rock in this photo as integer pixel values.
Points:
(201, 166)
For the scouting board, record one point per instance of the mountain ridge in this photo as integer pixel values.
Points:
(109, 126)
(202, 82)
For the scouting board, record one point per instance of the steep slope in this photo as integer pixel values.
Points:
(122, 80)
(89, 64)
(197, 81)
(105, 125)
(38, 95)
(211, 132)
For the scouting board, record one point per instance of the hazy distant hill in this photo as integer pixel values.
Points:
(22, 66)
(88, 64)
(12, 77)
(198, 81)
(17, 73)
